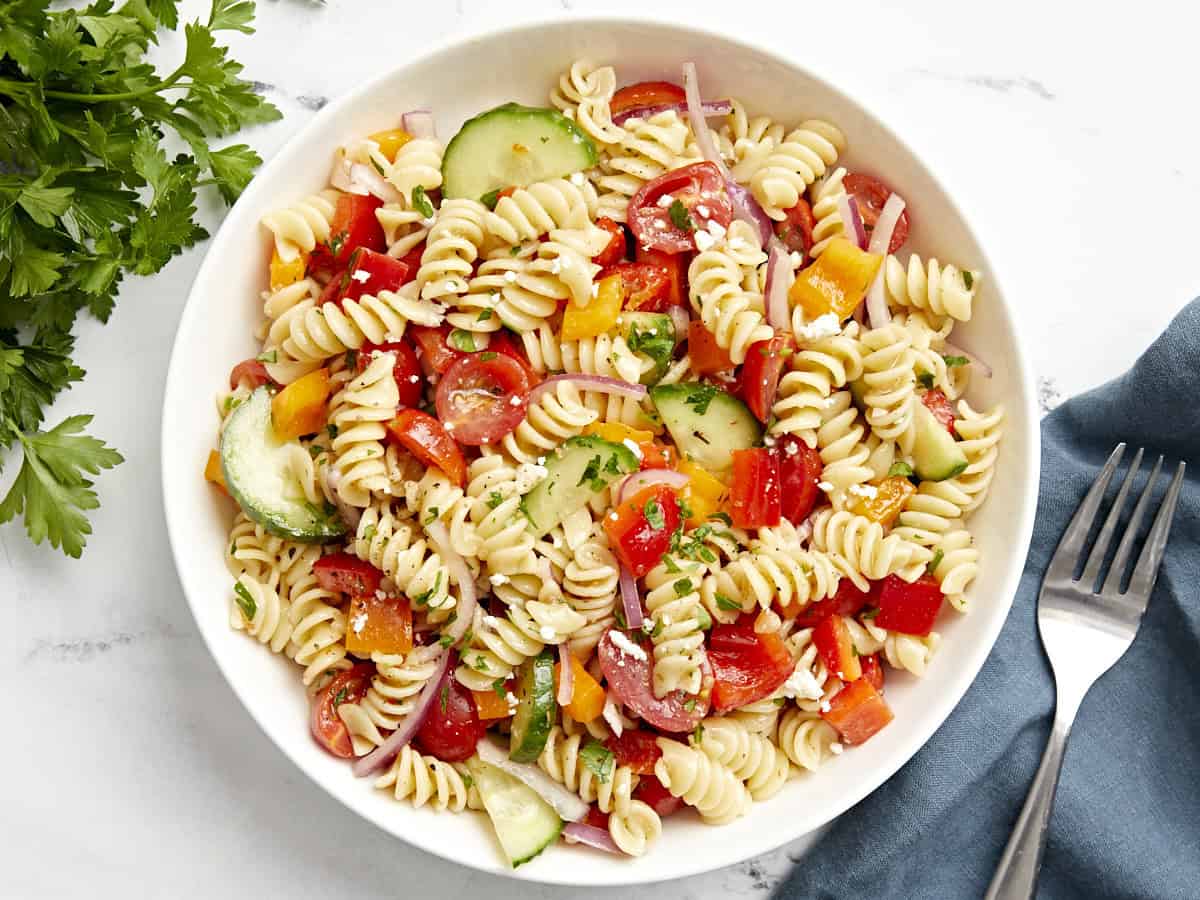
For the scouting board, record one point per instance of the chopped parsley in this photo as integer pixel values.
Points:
(869, 613)
(936, 561)
(445, 698)
(244, 600)
(703, 619)
(655, 631)
(420, 202)
(487, 355)
(599, 759)
(270, 356)
(432, 515)
(331, 430)
(499, 686)
(315, 450)
(424, 597)
(689, 704)
(654, 515)
(726, 604)
(679, 216)
(445, 641)
(484, 315)
(378, 166)
(952, 361)
(926, 380)
(491, 198)
(514, 250)
(968, 279)
(619, 615)
(682, 587)
(463, 340)
(495, 498)
(700, 398)
(902, 469)
(591, 475)
(351, 359)
(612, 467)
(671, 566)
(722, 517)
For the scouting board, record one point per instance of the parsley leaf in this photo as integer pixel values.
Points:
(968, 279)
(421, 203)
(599, 759)
(952, 361)
(245, 600)
(726, 604)
(491, 198)
(679, 216)
(938, 556)
(654, 515)
(902, 469)
(925, 379)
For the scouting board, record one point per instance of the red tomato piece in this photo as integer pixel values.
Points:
(871, 194)
(367, 272)
(425, 438)
(747, 666)
(646, 93)
(251, 371)
(435, 352)
(909, 608)
(651, 792)
(406, 372)
(640, 529)
(630, 677)
(796, 231)
(754, 494)
(504, 343)
(349, 686)
(832, 639)
(676, 266)
(848, 601)
(615, 251)
(696, 195)
(453, 728)
(656, 456)
(939, 404)
(760, 374)
(353, 226)
(857, 711)
(482, 397)
(800, 470)
(707, 357)
(637, 749)
(412, 258)
(596, 818)
(348, 574)
(643, 285)
(872, 671)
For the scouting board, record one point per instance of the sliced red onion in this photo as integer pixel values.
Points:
(460, 572)
(958, 350)
(775, 291)
(407, 728)
(750, 211)
(566, 675)
(592, 836)
(599, 383)
(375, 183)
(881, 240)
(630, 599)
(695, 111)
(566, 803)
(341, 175)
(680, 319)
(419, 123)
(708, 109)
(852, 223)
(639, 480)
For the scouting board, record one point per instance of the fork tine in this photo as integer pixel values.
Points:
(1091, 571)
(1146, 572)
(1112, 584)
(1070, 545)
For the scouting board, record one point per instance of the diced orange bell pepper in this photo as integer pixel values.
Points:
(391, 141)
(857, 711)
(599, 316)
(703, 493)
(302, 406)
(378, 625)
(832, 639)
(890, 496)
(285, 273)
(837, 282)
(587, 696)
(707, 356)
(213, 471)
(618, 432)
(491, 705)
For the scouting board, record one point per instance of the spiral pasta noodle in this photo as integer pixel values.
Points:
(453, 245)
(269, 624)
(889, 382)
(426, 780)
(860, 549)
(298, 228)
(403, 228)
(715, 792)
(792, 576)
(398, 680)
(650, 147)
(318, 629)
(979, 433)
(943, 290)
(584, 93)
(556, 415)
(752, 758)
(806, 739)
(794, 164)
(746, 143)
(394, 545)
(530, 212)
(813, 374)
(842, 442)
(417, 164)
(673, 605)
(358, 413)
(734, 316)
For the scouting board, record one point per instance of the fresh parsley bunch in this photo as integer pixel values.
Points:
(87, 194)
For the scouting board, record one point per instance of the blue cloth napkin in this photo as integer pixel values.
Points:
(1126, 823)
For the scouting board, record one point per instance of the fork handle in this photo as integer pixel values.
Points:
(1016, 876)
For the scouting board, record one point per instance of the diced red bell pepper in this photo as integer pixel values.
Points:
(367, 272)
(800, 470)
(872, 671)
(754, 494)
(347, 574)
(615, 251)
(635, 748)
(747, 666)
(939, 404)
(706, 355)
(651, 792)
(909, 608)
(848, 601)
(857, 711)
(676, 265)
(759, 378)
(640, 529)
(833, 642)
(425, 438)
(353, 226)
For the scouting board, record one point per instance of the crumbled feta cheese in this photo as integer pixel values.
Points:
(802, 684)
(737, 243)
(769, 440)
(702, 211)
(528, 475)
(866, 491)
(626, 646)
(716, 229)
(791, 448)
(704, 241)
(511, 699)
(633, 448)
(556, 266)
(825, 707)
(577, 179)
(362, 276)
(510, 276)
(556, 541)
(797, 259)
(548, 634)
(514, 400)
(836, 748)
(413, 379)
(660, 225)
(825, 486)
(449, 426)
(612, 716)
(491, 622)
(359, 622)
(380, 594)
(595, 289)
(822, 327)
(665, 201)
(498, 579)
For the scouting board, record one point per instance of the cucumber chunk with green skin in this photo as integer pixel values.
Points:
(258, 475)
(936, 454)
(652, 335)
(706, 423)
(524, 822)
(580, 468)
(513, 145)
(537, 708)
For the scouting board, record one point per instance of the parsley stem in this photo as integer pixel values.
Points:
(169, 82)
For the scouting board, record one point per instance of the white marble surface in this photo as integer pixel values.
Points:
(129, 767)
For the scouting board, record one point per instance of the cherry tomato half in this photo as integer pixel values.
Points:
(643, 285)
(871, 194)
(796, 231)
(676, 267)
(759, 378)
(348, 574)
(406, 372)
(747, 666)
(327, 728)
(482, 397)
(800, 468)
(646, 93)
(615, 251)
(353, 226)
(666, 212)
(251, 371)
(367, 272)
(425, 438)
(754, 495)
(453, 728)
(939, 404)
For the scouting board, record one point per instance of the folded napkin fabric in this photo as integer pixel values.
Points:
(1126, 823)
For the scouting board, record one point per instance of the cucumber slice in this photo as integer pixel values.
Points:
(706, 423)
(936, 455)
(255, 463)
(524, 822)
(652, 335)
(578, 469)
(513, 145)
(536, 708)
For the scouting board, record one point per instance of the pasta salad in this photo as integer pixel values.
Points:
(602, 462)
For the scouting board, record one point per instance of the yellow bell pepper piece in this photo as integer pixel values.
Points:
(703, 493)
(890, 496)
(382, 626)
(598, 316)
(618, 432)
(302, 406)
(285, 273)
(837, 282)
(213, 472)
(587, 696)
(391, 141)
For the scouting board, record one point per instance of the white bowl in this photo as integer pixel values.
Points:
(459, 80)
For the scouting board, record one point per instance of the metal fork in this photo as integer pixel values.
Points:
(1084, 631)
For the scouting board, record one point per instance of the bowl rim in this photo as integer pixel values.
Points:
(955, 686)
